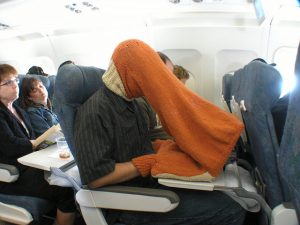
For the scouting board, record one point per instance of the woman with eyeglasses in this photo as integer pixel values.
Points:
(16, 140)
(34, 99)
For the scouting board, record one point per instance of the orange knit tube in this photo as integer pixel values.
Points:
(200, 129)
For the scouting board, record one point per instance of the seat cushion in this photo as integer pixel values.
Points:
(36, 206)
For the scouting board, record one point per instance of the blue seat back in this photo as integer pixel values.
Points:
(259, 85)
(74, 85)
(289, 155)
(36, 206)
(226, 89)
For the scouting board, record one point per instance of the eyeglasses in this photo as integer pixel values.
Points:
(10, 82)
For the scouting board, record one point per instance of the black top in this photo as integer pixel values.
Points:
(108, 130)
(14, 140)
(155, 131)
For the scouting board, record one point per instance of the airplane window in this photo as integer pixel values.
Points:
(285, 59)
(190, 59)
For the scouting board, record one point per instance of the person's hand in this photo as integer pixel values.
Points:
(169, 159)
(34, 146)
(144, 164)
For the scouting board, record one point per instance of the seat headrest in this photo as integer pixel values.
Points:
(258, 84)
(263, 61)
(75, 84)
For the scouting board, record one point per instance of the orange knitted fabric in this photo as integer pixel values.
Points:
(200, 129)
(170, 160)
(144, 164)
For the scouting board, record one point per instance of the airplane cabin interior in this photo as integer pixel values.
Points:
(220, 42)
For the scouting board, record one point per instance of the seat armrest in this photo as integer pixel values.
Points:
(14, 214)
(284, 213)
(8, 173)
(128, 198)
(232, 177)
(233, 181)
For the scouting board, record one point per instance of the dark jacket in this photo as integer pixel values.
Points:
(155, 131)
(14, 140)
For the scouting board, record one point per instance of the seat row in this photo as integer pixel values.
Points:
(261, 175)
(250, 93)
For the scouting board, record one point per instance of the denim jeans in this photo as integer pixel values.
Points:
(41, 119)
(195, 208)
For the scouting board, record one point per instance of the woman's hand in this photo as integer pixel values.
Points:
(33, 144)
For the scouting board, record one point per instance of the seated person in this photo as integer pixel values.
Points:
(167, 61)
(112, 143)
(17, 140)
(37, 70)
(181, 73)
(34, 99)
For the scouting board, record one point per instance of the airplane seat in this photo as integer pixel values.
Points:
(241, 147)
(19, 209)
(257, 86)
(73, 86)
(279, 112)
(22, 209)
(226, 90)
(289, 155)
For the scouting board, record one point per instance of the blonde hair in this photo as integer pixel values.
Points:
(180, 72)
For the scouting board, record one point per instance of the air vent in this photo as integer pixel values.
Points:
(31, 36)
(4, 1)
(78, 7)
(181, 1)
(3, 26)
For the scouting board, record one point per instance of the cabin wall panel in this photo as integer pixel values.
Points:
(94, 48)
(209, 42)
(285, 30)
(283, 44)
(25, 53)
(227, 61)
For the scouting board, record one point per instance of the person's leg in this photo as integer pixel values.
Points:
(195, 208)
(32, 183)
(63, 218)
